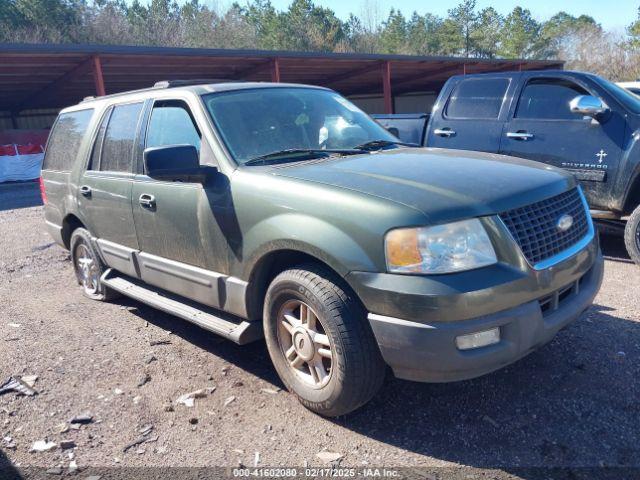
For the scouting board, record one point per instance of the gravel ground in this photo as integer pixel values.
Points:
(573, 403)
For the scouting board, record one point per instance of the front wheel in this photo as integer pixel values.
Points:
(632, 236)
(320, 343)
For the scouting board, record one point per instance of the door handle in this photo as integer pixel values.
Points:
(147, 201)
(85, 191)
(444, 132)
(520, 136)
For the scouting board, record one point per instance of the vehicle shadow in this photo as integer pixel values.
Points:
(572, 403)
(7, 470)
(614, 249)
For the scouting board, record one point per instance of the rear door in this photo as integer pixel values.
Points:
(104, 193)
(471, 112)
(543, 128)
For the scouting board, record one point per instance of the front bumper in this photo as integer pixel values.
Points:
(528, 307)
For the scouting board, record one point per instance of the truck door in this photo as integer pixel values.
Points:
(543, 128)
(104, 192)
(470, 113)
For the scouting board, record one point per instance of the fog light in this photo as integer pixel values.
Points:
(478, 339)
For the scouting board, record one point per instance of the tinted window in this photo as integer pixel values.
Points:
(477, 98)
(117, 147)
(171, 124)
(549, 99)
(94, 162)
(64, 141)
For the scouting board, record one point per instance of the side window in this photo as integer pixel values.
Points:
(65, 139)
(94, 162)
(171, 123)
(477, 98)
(548, 98)
(119, 138)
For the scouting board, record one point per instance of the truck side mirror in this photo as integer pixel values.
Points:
(175, 163)
(588, 105)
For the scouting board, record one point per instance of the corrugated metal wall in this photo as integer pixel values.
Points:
(35, 119)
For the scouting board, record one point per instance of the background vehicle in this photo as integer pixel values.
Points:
(284, 210)
(572, 120)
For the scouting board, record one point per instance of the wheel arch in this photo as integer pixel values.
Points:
(632, 198)
(69, 224)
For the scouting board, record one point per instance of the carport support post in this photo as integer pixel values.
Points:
(275, 70)
(386, 87)
(97, 76)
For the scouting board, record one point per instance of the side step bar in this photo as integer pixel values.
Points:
(229, 326)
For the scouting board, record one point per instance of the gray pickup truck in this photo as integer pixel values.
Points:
(572, 120)
(284, 211)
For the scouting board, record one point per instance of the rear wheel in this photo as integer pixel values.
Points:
(88, 266)
(632, 235)
(320, 343)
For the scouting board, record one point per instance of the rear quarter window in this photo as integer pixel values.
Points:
(477, 98)
(65, 139)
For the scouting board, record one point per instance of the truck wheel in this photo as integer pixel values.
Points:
(632, 235)
(320, 343)
(88, 266)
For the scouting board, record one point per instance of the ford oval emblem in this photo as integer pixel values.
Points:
(564, 223)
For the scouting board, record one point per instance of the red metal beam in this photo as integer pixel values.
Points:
(98, 79)
(275, 70)
(386, 87)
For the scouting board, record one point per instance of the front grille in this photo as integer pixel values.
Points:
(535, 228)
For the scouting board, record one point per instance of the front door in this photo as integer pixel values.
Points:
(104, 191)
(543, 128)
(173, 219)
(471, 115)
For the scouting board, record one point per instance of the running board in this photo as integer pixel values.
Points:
(226, 325)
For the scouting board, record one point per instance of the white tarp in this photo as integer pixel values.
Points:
(20, 162)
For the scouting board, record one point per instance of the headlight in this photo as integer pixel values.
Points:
(448, 248)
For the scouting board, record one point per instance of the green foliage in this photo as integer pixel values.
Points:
(304, 26)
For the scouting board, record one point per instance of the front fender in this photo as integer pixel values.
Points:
(313, 236)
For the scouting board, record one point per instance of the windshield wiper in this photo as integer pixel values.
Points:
(379, 144)
(281, 155)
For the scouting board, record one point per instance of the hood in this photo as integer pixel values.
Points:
(445, 185)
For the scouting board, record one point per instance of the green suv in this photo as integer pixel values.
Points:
(284, 212)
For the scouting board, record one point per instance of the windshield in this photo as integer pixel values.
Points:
(624, 96)
(257, 122)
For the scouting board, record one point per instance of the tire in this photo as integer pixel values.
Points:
(88, 266)
(335, 339)
(632, 236)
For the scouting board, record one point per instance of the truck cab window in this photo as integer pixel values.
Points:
(547, 98)
(171, 123)
(117, 147)
(477, 98)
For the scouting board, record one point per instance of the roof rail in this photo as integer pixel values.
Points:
(195, 81)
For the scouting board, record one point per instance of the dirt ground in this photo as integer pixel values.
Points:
(574, 402)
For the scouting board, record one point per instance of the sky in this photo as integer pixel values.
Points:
(612, 14)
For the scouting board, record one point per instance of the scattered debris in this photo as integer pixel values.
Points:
(73, 466)
(67, 444)
(54, 471)
(193, 421)
(225, 370)
(256, 459)
(16, 384)
(238, 451)
(153, 343)
(149, 358)
(14, 325)
(145, 430)
(9, 443)
(62, 427)
(168, 407)
(140, 441)
(30, 380)
(75, 426)
(270, 391)
(83, 419)
(136, 399)
(237, 383)
(42, 446)
(117, 391)
(229, 401)
(143, 380)
(188, 399)
(329, 457)
(490, 420)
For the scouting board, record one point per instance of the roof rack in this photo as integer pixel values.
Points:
(166, 84)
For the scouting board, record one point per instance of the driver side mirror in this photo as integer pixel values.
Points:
(588, 105)
(176, 163)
